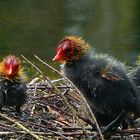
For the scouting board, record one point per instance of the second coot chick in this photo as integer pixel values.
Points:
(101, 79)
(12, 86)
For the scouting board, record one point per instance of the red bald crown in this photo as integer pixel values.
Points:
(64, 47)
(10, 66)
(71, 49)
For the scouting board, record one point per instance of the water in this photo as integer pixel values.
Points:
(31, 27)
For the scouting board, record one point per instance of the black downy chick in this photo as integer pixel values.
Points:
(12, 86)
(101, 79)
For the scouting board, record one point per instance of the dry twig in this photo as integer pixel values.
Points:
(20, 126)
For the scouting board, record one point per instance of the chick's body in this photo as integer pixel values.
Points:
(12, 93)
(104, 83)
(12, 86)
(101, 78)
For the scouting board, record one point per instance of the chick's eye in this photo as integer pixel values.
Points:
(16, 67)
(67, 49)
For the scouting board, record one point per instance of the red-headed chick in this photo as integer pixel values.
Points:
(13, 90)
(101, 79)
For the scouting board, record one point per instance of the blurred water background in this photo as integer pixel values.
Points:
(31, 27)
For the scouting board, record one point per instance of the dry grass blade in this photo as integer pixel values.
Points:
(37, 69)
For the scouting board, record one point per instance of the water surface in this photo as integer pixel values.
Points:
(31, 27)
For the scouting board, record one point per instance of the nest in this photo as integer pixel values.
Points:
(55, 110)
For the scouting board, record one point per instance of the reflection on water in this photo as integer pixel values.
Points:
(34, 27)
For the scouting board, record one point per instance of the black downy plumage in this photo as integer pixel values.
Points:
(101, 79)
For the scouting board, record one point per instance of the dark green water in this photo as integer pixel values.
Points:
(31, 27)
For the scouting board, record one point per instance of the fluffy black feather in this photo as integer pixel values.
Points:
(12, 93)
(104, 82)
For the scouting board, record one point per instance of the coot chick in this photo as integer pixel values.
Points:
(12, 86)
(101, 79)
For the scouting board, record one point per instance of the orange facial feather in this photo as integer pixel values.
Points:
(71, 48)
(10, 67)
